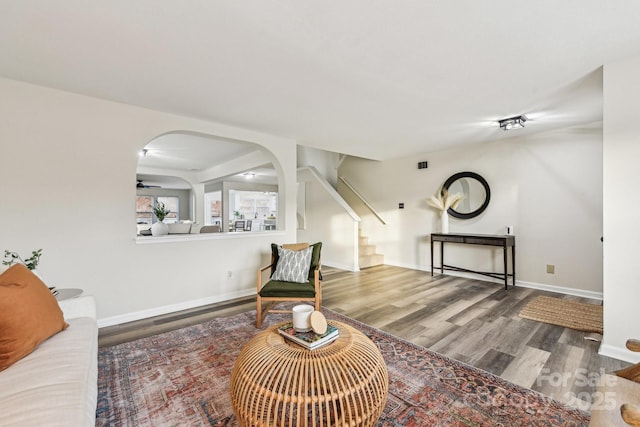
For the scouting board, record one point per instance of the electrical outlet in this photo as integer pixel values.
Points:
(229, 274)
(551, 269)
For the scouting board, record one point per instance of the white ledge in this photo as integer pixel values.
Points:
(172, 238)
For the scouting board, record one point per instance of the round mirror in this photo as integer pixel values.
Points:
(476, 194)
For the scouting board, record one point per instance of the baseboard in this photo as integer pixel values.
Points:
(540, 286)
(158, 311)
(410, 266)
(620, 353)
(561, 290)
(340, 266)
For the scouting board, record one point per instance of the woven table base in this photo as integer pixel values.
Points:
(277, 383)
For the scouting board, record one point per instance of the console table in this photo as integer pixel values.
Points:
(478, 239)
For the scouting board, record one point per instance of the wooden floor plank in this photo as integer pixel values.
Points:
(494, 361)
(470, 320)
(526, 366)
(557, 378)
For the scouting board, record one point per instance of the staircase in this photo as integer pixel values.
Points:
(368, 256)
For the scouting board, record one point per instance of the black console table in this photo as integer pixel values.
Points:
(478, 239)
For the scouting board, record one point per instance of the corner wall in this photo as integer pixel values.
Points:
(328, 220)
(621, 208)
(68, 164)
(547, 186)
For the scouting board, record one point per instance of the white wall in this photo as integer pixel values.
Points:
(328, 220)
(67, 167)
(549, 187)
(621, 207)
(325, 162)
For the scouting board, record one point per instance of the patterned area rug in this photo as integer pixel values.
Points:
(569, 314)
(181, 378)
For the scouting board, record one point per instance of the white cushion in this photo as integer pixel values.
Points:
(82, 306)
(293, 266)
(57, 384)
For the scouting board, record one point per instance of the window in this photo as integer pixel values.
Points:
(261, 206)
(213, 208)
(144, 209)
(144, 215)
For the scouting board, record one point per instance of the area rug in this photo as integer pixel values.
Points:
(181, 378)
(570, 314)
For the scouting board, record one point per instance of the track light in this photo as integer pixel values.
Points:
(512, 122)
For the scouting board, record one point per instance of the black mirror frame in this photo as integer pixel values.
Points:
(478, 178)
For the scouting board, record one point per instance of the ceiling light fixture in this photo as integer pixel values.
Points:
(516, 122)
(249, 175)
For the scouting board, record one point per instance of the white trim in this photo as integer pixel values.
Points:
(172, 238)
(356, 246)
(606, 350)
(330, 190)
(425, 268)
(158, 311)
(340, 266)
(363, 200)
(561, 290)
(541, 286)
(620, 353)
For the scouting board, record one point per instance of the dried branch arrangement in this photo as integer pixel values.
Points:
(443, 201)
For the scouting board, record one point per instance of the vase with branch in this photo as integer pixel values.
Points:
(442, 202)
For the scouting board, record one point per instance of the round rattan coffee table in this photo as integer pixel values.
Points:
(275, 382)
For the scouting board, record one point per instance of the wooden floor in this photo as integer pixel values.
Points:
(469, 320)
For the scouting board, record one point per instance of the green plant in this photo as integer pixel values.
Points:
(31, 263)
(160, 211)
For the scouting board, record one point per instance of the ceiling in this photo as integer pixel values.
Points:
(370, 78)
(182, 153)
(191, 153)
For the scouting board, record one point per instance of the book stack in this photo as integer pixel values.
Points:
(310, 340)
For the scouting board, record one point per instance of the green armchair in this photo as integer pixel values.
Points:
(273, 291)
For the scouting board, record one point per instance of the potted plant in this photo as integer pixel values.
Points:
(159, 228)
(31, 263)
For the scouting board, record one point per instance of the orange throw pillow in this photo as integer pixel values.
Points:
(29, 314)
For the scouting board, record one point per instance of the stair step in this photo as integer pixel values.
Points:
(370, 260)
(367, 249)
(368, 256)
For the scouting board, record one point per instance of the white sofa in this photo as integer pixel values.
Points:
(57, 384)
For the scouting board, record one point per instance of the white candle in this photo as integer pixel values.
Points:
(301, 317)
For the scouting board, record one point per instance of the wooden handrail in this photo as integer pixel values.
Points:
(633, 345)
(363, 200)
